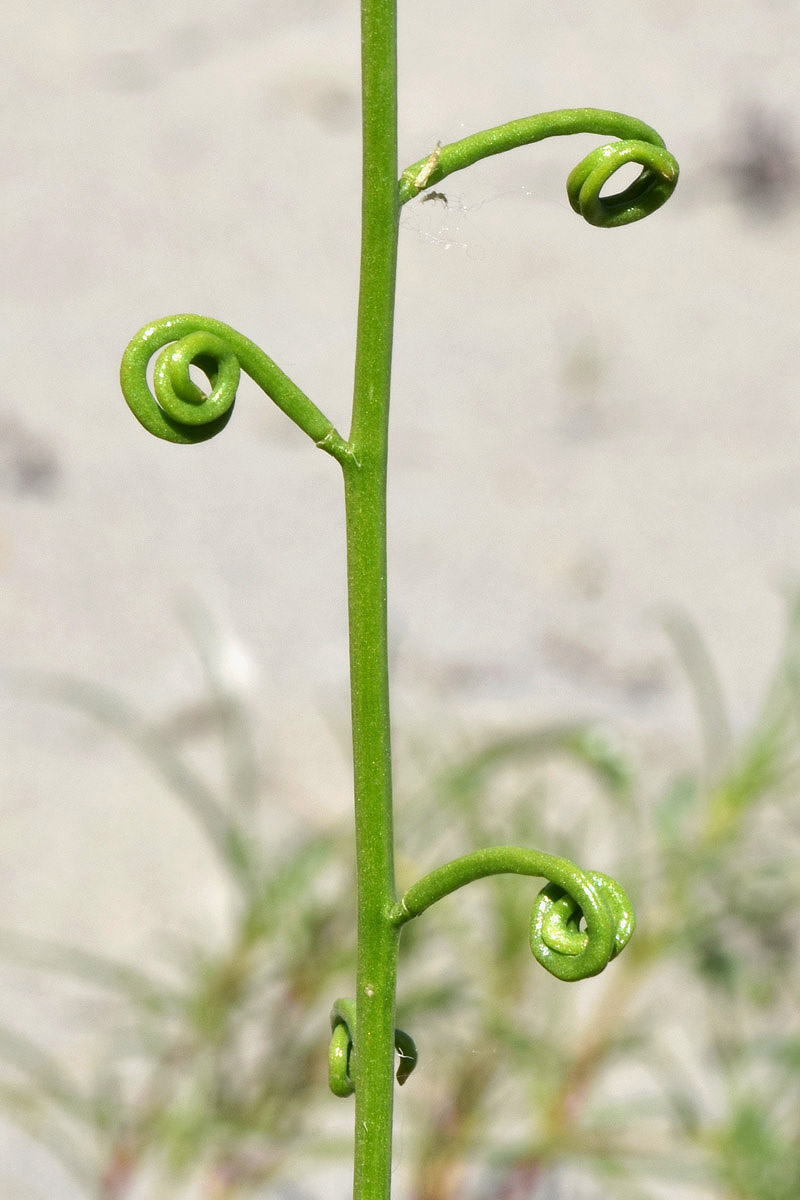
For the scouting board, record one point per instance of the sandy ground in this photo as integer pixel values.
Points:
(587, 425)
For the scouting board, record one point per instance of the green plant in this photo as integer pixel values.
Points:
(683, 1068)
(680, 1067)
(364, 1035)
(213, 1052)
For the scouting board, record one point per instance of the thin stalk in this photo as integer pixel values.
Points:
(365, 501)
(178, 410)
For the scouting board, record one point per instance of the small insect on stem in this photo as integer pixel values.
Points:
(435, 196)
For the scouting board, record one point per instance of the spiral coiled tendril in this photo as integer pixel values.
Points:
(343, 1037)
(638, 143)
(572, 896)
(652, 187)
(556, 938)
(178, 410)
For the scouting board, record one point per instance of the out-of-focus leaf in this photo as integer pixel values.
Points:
(222, 660)
(786, 1050)
(757, 1159)
(672, 812)
(96, 969)
(228, 838)
(584, 744)
(426, 999)
(759, 769)
(45, 1071)
(25, 1107)
(285, 886)
(707, 693)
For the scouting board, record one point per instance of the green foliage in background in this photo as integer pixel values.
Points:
(679, 1069)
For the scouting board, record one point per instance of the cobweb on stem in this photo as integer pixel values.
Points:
(443, 218)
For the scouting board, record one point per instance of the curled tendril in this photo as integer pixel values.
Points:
(178, 410)
(653, 186)
(343, 1037)
(556, 938)
(572, 896)
(638, 144)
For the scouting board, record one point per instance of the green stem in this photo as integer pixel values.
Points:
(365, 500)
(178, 410)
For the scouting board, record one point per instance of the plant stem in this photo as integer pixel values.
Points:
(365, 501)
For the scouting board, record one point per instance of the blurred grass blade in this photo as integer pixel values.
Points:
(96, 969)
(108, 709)
(706, 688)
(20, 1189)
(283, 892)
(761, 769)
(45, 1071)
(222, 662)
(428, 998)
(24, 1109)
(582, 743)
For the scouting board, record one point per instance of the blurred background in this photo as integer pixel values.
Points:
(594, 516)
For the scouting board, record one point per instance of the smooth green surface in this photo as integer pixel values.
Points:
(341, 1073)
(556, 938)
(177, 410)
(364, 1037)
(365, 503)
(638, 144)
